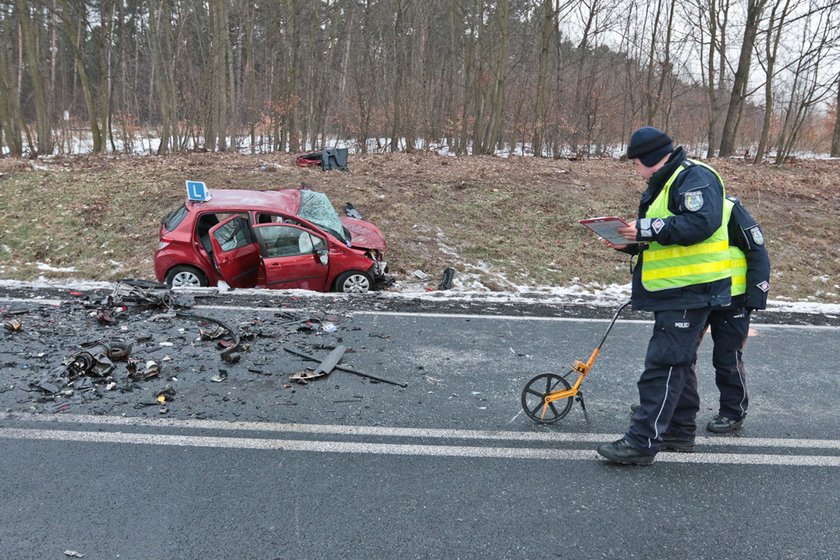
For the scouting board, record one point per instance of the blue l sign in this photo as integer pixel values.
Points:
(197, 191)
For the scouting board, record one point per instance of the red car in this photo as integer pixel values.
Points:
(270, 239)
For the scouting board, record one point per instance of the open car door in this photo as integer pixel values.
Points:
(293, 257)
(236, 253)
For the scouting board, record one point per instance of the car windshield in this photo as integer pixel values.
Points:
(315, 207)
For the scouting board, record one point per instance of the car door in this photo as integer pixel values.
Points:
(237, 254)
(293, 257)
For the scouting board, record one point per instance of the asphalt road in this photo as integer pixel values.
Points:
(446, 467)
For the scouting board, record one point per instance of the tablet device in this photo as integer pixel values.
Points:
(607, 227)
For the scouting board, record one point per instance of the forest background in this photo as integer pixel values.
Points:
(228, 91)
(552, 78)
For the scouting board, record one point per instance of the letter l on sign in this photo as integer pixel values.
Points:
(197, 191)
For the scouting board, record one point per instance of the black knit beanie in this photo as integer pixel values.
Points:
(650, 145)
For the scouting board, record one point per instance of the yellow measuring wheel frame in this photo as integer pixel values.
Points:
(548, 397)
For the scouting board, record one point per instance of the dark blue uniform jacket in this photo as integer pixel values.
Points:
(690, 224)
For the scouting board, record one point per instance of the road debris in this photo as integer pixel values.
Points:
(324, 368)
(446, 279)
(110, 346)
(97, 358)
(165, 395)
(352, 211)
(344, 368)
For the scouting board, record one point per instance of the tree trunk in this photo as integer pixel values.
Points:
(547, 32)
(216, 134)
(835, 137)
(399, 73)
(730, 126)
(105, 70)
(771, 46)
(470, 86)
(43, 121)
(11, 118)
(68, 20)
(160, 45)
(290, 98)
(493, 134)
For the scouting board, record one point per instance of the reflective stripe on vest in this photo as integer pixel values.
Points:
(676, 266)
(737, 262)
(738, 267)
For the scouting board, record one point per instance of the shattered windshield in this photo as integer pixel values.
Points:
(316, 208)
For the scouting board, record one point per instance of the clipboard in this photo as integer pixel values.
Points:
(607, 228)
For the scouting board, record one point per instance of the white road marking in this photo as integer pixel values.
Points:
(385, 431)
(400, 448)
(53, 302)
(567, 319)
(57, 302)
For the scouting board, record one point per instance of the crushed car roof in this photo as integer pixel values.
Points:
(287, 200)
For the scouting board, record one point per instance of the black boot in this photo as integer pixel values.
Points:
(674, 443)
(721, 424)
(622, 452)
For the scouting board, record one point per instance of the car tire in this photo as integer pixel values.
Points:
(354, 282)
(185, 277)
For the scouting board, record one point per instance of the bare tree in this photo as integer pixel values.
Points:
(807, 89)
(714, 18)
(30, 31)
(160, 40)
(11, 118)
(772, 38)
(835, 137)
(547, 31)
(755, 8)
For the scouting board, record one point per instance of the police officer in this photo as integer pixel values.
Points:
(750, 269)
(682, 273)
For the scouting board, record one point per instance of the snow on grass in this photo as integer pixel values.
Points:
(464, 289)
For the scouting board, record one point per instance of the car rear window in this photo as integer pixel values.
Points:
(171, 220)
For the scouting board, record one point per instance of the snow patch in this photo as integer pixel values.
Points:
(47, 268)
(465, 288)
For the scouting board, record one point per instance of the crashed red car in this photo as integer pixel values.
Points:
(283, 239)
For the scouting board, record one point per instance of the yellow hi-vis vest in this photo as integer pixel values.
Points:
(675, 266)
(738, 268)
(737, 262)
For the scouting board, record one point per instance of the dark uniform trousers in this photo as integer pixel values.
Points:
(730, 327)
(668, 386)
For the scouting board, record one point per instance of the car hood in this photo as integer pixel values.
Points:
(364, 234)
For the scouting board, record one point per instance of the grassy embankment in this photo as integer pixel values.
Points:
(505, 219)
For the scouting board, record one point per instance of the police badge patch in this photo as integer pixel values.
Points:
(763, 286)
(693, 201)
(658, 224)
(757, 236)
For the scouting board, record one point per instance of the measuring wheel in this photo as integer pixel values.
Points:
(534, 393)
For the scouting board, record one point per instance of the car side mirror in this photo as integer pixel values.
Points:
(323, 256)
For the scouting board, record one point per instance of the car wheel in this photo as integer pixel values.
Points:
(185, 277)
(354, 282)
